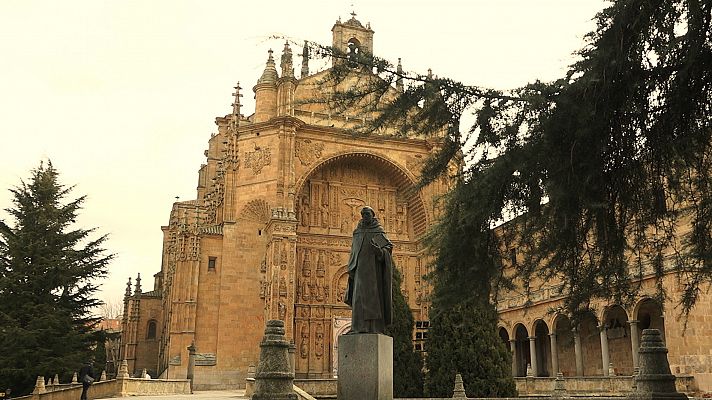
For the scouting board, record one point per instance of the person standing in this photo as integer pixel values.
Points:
(370, 269)
(86, 376)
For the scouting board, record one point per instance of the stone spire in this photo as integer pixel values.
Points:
(137, 289)
(305, 59)
(127, 294)
(269, 75)
(236, 104)
(286, 62)
(399, 80)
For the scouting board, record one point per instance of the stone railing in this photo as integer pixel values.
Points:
(613, 386)
(122, 386)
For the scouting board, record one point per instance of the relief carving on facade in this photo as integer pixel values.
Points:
(319, 341)
(304, 341)
(258, 159)
(307, 151)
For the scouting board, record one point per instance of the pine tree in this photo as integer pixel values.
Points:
(407, 363)
(48, 273)
(462, 340)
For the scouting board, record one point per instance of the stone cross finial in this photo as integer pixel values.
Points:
(459, 392)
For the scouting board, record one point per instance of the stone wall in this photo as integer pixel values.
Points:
(116, 388)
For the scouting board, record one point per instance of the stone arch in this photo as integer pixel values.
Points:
(337, 282)
(565, 346)
(540, 332)
(520, 335)
(256, 210)
(649, 313)
(615, 320)
(405, 181)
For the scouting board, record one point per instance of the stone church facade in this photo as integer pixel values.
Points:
(269, 233)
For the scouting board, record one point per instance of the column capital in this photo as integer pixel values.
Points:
(532, 338)
(552, 334)
(633, 321)
(512, 340)
(602, 327)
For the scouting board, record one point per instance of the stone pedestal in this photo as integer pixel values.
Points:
(274, 377)
(365, 367)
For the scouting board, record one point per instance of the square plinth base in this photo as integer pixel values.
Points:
(365, 367)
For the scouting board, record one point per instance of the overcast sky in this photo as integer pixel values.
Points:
(122, 95)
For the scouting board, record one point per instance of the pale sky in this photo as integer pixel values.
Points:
(122, 95)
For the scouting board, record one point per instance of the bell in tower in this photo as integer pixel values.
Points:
(351, 38)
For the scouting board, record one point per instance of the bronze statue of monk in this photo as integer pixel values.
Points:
(370, 276)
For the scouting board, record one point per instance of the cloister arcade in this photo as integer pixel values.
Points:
(600, 345)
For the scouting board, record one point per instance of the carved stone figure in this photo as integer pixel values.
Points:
(370, 276)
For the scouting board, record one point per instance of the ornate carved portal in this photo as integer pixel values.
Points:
(328, 209)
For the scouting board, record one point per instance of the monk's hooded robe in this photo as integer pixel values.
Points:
(370, 280)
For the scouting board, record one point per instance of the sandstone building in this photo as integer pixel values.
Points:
(269, 233)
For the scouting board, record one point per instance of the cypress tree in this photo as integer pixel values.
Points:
(407, 363)
(48, 273)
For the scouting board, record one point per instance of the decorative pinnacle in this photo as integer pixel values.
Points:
(270, 73)
(137, 290)
(286, 61)
(236, 105)
(128, 288)
(305, 59)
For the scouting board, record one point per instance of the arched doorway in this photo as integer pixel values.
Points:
(521, 349)
(618, 334)
(542, 345)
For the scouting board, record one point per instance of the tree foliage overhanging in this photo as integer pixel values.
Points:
(48, 273)
(600, 167)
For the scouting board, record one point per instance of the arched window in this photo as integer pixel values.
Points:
(353, 50)
(151, 334)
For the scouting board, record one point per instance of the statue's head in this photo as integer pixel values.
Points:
(367, 214)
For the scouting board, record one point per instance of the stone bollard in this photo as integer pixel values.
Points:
(274, 378)
(654, 380)
(459, 391)
(74, 378)
(39, 386)
(102, 377)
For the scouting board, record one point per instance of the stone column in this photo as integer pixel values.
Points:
(605, 356)
(554, 355)
(578, 352)
(634, 341)
(513, 349)
(191, 364)
(532, 352)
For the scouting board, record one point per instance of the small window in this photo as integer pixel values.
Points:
(418, 335)
(151, 334)
(211, 263)
(426, 324)
(418, 347)
(419, 324)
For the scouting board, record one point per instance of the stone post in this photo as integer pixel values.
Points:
(513, 348)
(654, 380)
(578, 352)
(605, 356)
(459, 391)
(559, 387)
(123, 370)
(634, 344)
(103, 376)
(191, 364)
(39, 386)
(554, 354)
(274, 379)
(74, 378)
(532, 352)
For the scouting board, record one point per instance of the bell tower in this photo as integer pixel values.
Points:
(351, 36)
